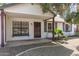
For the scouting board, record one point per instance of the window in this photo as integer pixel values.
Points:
(55, 25)
(49, 27)
(45, 26)
(20, 28)
(68, 27)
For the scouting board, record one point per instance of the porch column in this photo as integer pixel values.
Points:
(2, 28)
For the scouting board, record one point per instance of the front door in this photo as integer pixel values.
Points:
(37, 29)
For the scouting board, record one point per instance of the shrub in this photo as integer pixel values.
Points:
(58, 31)
(60, 34)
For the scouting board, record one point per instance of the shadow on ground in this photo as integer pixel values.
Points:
(12, 51)
(51, 51)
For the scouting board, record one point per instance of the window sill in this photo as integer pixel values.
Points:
(67, 31)
(19, 35)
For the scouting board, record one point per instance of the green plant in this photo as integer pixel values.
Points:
(59, 33)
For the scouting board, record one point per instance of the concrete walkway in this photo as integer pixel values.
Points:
(57, 50)
(14, 50)
(70, 48)
(26, 42)
(73, 44)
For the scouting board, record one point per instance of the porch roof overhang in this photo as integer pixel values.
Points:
(57, 19)
(42, 17)
(22, 15)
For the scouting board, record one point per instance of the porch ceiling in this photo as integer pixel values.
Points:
(21, 15)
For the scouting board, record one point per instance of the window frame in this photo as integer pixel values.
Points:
(69, 28)
(45, 26)
(20, 28)
(50, 26)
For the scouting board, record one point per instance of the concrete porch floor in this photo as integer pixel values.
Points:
(26, 42)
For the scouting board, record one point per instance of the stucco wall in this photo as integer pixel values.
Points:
(31, 21)
(28, 9)
(31, 28)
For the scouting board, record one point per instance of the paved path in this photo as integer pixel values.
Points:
(74, 45)
(70, 48)
(26, 42)
(66, 49)
(47, 51)
(14, 50)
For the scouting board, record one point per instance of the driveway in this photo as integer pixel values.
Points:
(70, 48)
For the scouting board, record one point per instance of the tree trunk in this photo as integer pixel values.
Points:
(53, 21)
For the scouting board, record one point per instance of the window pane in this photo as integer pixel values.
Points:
(55, 25)
(68, 28)
(16, 24)
(45, 26)
(49, 27)
(25, 26)
(20, 28)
